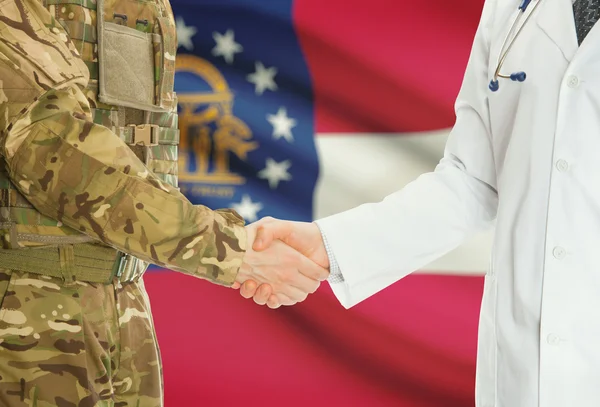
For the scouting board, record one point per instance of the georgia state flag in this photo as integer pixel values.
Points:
(298, 110)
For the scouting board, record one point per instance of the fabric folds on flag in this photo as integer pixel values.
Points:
(298, 110)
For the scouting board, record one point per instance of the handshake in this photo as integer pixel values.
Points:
(284, 262)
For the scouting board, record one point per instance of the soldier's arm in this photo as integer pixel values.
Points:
(81, 173)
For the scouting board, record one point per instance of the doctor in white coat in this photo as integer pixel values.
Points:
(524, 155)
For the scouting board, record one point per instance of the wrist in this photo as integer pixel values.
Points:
(323, 247)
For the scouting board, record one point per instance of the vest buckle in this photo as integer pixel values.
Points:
(119, 265)
(146, 134)
(125, 268)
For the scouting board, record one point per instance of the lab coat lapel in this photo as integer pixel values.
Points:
(555, 18)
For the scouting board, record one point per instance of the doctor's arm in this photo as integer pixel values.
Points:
(377, 244)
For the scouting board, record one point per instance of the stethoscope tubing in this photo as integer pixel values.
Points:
(517, 76)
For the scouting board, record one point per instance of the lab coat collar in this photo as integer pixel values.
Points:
(555, 18)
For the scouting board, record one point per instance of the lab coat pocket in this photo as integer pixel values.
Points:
(485, 389)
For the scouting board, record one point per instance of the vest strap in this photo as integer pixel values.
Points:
(89, 4)
(148, 134)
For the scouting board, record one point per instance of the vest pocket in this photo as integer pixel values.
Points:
(136, 63)
(126, 67)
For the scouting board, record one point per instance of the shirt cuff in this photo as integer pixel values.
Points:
(335, 274)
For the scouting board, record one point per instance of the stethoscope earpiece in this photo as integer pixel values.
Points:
(494, 85)
(518, 76)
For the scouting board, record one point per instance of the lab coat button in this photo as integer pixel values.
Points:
(553, 339)
(559, 253)
(562, 165)
(572, 81)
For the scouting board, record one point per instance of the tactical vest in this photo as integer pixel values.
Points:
(129, 47)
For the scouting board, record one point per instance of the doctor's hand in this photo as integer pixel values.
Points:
(289, 275)
(302, 236)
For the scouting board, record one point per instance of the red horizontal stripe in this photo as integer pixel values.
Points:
(412, 345)
(385, 65)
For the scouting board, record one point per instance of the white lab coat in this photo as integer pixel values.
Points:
(526, 158)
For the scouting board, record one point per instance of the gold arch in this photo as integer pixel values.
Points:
(232, 135)
(220, 94)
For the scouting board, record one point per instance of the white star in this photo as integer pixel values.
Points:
(282, 125)
(185, 34)
(263, 78)
(226, 46)
(248, 209)
(276, 172)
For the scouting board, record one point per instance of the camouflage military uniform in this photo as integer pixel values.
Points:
(88, 135)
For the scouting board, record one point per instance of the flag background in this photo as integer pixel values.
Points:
(326, 105)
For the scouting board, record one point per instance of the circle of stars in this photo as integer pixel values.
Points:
(263, 79)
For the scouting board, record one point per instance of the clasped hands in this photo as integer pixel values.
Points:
(284, 262)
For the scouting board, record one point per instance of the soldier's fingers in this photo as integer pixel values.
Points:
(236, 285)
(248, 289)
(262, 294)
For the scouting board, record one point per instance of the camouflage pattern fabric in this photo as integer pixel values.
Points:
(80, 345)
(165, 63)
(78, 172)
(67, 177)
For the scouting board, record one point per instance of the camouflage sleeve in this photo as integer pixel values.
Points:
(81, 173)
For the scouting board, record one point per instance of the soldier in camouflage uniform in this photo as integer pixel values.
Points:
(88, 197)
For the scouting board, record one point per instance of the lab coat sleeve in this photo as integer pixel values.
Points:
(377, 244)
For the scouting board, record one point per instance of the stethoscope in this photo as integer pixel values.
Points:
(515, 76)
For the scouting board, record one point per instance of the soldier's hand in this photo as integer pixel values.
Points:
(302, 236)
(286, 274)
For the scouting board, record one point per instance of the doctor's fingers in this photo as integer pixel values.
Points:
(311, 269)
(293, 278)
(269, 229)
(296, 279)
(290, 295)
